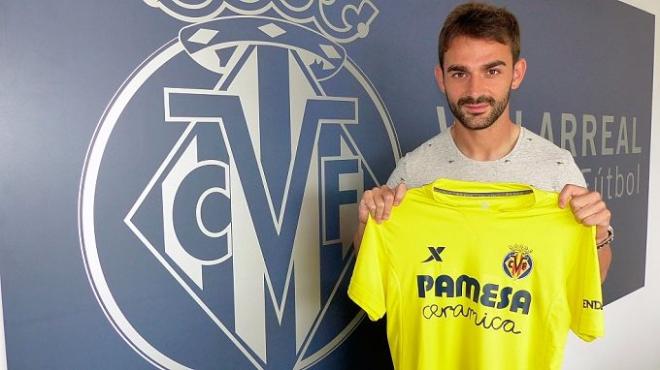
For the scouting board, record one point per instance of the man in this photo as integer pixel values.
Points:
(479, 65)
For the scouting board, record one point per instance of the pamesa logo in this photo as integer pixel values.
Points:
(219, 195)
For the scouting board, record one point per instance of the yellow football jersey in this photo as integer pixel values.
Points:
(479, 276)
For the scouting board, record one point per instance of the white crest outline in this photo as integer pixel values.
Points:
(87, 187)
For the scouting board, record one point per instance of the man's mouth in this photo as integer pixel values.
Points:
(476, 106)
(476, 109)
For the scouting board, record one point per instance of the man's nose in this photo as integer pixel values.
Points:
(475, 87)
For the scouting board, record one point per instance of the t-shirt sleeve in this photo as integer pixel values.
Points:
(585, 293)
(368, 284)
(399, 175)
(573, 175)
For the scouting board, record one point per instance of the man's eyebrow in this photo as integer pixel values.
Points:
(456, 68)
(494, 64)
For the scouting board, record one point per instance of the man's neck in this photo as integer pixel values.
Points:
(488, 144)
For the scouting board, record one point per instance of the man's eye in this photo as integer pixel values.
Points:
(493, 72)
(458, 75)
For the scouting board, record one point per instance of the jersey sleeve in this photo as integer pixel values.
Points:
(368, 284)
(584, 293)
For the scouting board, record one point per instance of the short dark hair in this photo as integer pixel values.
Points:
(480, 21)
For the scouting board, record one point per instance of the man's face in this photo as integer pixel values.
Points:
(477, 78)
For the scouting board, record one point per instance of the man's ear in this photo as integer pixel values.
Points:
(519, 69)
(439, 77)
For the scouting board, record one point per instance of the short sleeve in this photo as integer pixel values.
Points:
(368, 284)
(399, 175)
(584, 290)
(573, 175)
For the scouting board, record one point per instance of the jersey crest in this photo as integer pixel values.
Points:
(518, 263)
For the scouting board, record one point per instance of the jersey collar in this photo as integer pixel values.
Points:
(484, 195)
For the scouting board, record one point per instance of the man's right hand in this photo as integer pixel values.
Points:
(379, 202)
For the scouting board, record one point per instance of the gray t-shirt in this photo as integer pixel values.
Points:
(534, 161)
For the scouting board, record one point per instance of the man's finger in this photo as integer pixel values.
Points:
(399, 193)
(380, 205)
(363, 212)
(598, 219)
(588, 210)
(388, 198)
(368, 202)
(568, 192)
(584, 200)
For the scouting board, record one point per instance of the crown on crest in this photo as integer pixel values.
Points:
(342, 21)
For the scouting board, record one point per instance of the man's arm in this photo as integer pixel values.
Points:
(604, 259)
(590, 209)
(378, 202)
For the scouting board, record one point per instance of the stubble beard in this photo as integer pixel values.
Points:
(479, 123)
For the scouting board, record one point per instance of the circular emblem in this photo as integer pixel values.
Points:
(219, 196)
